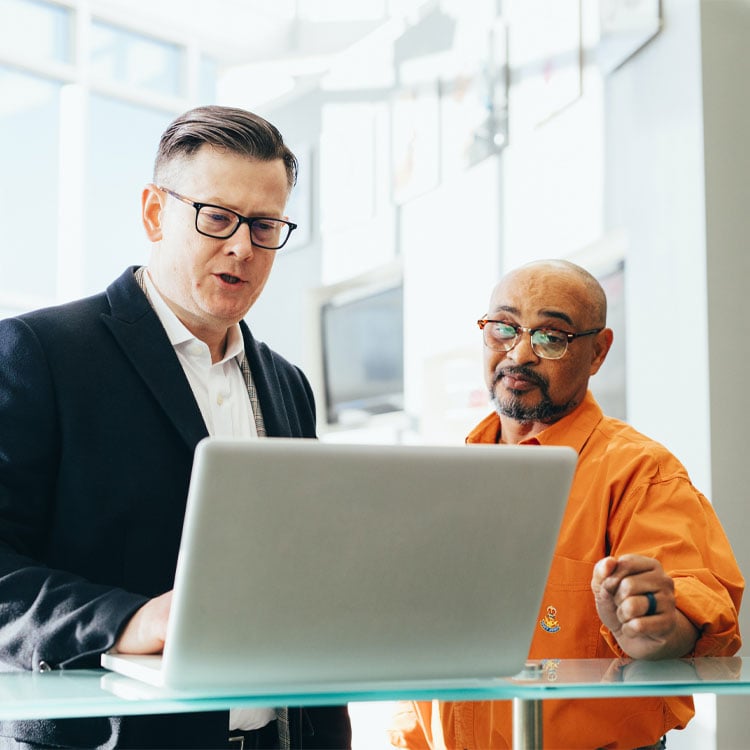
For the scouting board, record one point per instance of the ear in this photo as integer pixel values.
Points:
(151, 208)
(602, 343)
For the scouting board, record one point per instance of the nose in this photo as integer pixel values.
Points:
(522, 352)
(240, 244)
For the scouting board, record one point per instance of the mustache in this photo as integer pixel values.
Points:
(521, 371)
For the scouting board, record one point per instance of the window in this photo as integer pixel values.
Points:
(36, 30)
(120, 148)
(123, 57)
(29, 108)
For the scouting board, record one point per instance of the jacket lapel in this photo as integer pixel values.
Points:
(142, 339)
(266, 379)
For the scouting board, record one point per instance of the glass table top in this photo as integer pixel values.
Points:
(97, 692)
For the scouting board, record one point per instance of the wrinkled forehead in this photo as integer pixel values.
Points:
(533, 294)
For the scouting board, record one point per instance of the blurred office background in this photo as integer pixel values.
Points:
(440, 142)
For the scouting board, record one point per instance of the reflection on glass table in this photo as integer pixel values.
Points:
(96, 692)
(572, 673)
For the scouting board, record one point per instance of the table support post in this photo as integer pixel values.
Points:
(527, 724)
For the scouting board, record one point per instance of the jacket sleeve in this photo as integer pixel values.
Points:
(47, 616)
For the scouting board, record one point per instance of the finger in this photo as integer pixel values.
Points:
(652, 607)
(604, 568)
(632, 564)
(642, 610)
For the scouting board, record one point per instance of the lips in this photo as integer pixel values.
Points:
(519, 379)
(518, 384)
(228, 278)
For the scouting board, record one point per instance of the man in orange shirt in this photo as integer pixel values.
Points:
(642, 566)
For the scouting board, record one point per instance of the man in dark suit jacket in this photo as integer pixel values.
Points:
(102, 402)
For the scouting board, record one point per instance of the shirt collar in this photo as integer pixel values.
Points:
(177, 332)
(575, 428)
(572, 430)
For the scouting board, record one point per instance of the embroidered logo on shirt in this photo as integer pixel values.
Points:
(549, 622)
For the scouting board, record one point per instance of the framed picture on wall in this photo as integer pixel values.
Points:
(544, 56)
(415, 141)
(625, 26)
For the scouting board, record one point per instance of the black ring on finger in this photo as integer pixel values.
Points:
(651, 604)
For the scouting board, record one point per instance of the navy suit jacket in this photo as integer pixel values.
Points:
(98, 426)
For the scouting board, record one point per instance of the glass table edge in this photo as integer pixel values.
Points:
(79, 693)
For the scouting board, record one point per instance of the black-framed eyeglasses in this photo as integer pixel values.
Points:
(547, 343)
(221, 223)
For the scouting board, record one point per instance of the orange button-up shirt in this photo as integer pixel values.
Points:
(629, 495)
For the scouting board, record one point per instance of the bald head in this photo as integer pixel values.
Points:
(561, 277)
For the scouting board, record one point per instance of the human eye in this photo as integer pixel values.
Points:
(266, 231)
(216, 219)
(550, 336)
(503, 331)
(265, 227)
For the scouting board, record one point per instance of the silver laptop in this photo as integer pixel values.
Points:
(308, 565)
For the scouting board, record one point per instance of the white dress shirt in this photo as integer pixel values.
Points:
(222, 398)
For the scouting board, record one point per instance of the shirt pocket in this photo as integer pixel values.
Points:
(568, 625)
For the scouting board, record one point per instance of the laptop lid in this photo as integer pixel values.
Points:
(304, 563)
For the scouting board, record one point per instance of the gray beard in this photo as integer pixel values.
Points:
(544, 411)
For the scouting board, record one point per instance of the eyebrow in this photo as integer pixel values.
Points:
(542, 313)
(254, 215)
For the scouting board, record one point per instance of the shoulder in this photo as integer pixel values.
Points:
(64, 315)
(51, 326)
(76, 316)
(72, 330)
(626, 450)
(261, 355)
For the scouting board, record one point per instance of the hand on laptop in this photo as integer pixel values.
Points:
(635, 600)
(146, 630)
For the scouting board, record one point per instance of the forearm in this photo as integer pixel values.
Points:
(678, 642)
(53, 617)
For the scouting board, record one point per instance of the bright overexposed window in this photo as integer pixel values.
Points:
(83, 102)
(36, 30)
(119, 162)
(208, 72)
(123, 57)
(29, 113)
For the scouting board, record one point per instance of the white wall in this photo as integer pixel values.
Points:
(726, 66)
(654, 192)
(655, 197)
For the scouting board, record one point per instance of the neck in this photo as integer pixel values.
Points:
(215, 337)
(217, 349)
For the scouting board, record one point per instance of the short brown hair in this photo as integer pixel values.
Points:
(230, 128)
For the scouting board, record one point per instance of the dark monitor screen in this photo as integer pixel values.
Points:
(363, 357)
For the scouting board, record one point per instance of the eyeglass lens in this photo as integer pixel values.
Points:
(545, 342)
(221, 223)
